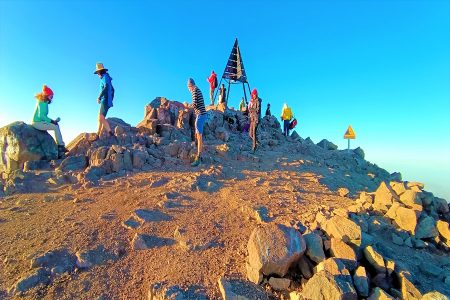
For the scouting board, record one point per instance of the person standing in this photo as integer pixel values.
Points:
(105, 98)
(242, 105)
(286, 116)
(200, 117)
(223, 94)
(254, 109)
(41, 121)
(268, 110)
(212, 79)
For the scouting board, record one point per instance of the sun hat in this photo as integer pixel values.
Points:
(99, 67)
(47, 91)
(254, 93)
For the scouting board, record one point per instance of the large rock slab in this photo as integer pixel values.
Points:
(314, 247)
(444, 231)
(20, 142)
(384, 197)
(273, 248)
(329, 287)
(406, 219)
(375, 259)
(344, 229)
(361, 281)
(234, 288)
(344, 252)
(426, 228)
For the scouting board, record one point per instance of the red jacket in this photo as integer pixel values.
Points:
(211, 80)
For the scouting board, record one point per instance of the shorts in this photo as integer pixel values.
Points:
(200, 121)
(103, 108)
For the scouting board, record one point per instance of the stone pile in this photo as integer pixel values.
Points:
(348, 253)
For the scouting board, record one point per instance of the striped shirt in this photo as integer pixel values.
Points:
(197, 102)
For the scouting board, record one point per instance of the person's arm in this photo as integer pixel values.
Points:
(104, 90)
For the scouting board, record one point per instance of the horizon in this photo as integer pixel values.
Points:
(383, 67)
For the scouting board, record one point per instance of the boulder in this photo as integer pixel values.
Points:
(279, 284)
(332, 266)
(359, 152)
(73, 163)
(398, 187)
(409, 291)
(327, 145)
(361, 282)
(411, 199)
(20, 142)
(344, 229)
(434, 296)
(441, 205)
(330, 283)
(306, 267)
(314, 247)
(222, 134)
(444, 231)
(384, 197)
(375, 259)
(406, 219)
(234, 288)
(379, 294)
(426, 228)
(273, 248)
(344, 253)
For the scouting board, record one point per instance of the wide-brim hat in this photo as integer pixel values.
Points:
(99, 67)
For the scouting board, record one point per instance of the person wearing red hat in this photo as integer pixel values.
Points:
(212, 79)
(254, 110)
(41, 121)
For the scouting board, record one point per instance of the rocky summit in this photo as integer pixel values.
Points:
(127, 217)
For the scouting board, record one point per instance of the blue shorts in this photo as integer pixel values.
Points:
(200, 121)
(103, 108)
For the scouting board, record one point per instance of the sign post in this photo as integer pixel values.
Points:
(349, 135)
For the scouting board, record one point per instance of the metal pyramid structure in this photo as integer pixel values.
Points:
(234, 71)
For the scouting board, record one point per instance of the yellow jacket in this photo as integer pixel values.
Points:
(286, 114)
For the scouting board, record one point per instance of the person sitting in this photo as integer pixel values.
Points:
(268, 110)
(42, 122)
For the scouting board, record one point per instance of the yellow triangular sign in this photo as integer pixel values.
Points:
(349, 134)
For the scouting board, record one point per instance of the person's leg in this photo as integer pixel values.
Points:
(103, 123)
(43, 126)
(200, 145)
(211, 94)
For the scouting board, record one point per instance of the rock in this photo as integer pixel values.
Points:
(306, 267)
(375, 259)
(379, 294)
(396, 239)
(444, 231)
(73, 163)
(384, 197)
(93, 257)
(344, 253)
(392, 211)
(406, 219)
(172, 149)
(222, 134)
(344, 229)
(398, 187)
(411, 184)
(441, 205)
(285, 243)
(143, 241)
(144, 215)
(327, 145)
(382, 280)
(431, 270)
(323, 286)
(408, 242)
(231, 289)
(434, 296)
(295, 135)
(131, 223)
(314, 247)
(361, 281)
(279, 284)
(409, 291)
(60, 258)
(39, 277)
(411, 199)
(163, 291)
(359, 152)
(20, 142)
(343, 192)
(332, 266)
(426, 228)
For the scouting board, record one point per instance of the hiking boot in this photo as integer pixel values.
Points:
(196, 162)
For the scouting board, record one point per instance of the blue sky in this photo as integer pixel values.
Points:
(381, 66)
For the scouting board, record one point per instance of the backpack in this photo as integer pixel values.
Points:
(293, 124)
(215, 82)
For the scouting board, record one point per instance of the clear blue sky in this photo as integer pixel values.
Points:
(381, 66)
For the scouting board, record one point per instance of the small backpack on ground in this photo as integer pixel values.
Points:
(293, 123)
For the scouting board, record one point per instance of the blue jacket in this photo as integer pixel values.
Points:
(106, 90)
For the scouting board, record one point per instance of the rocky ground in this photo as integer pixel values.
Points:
(128, 218)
